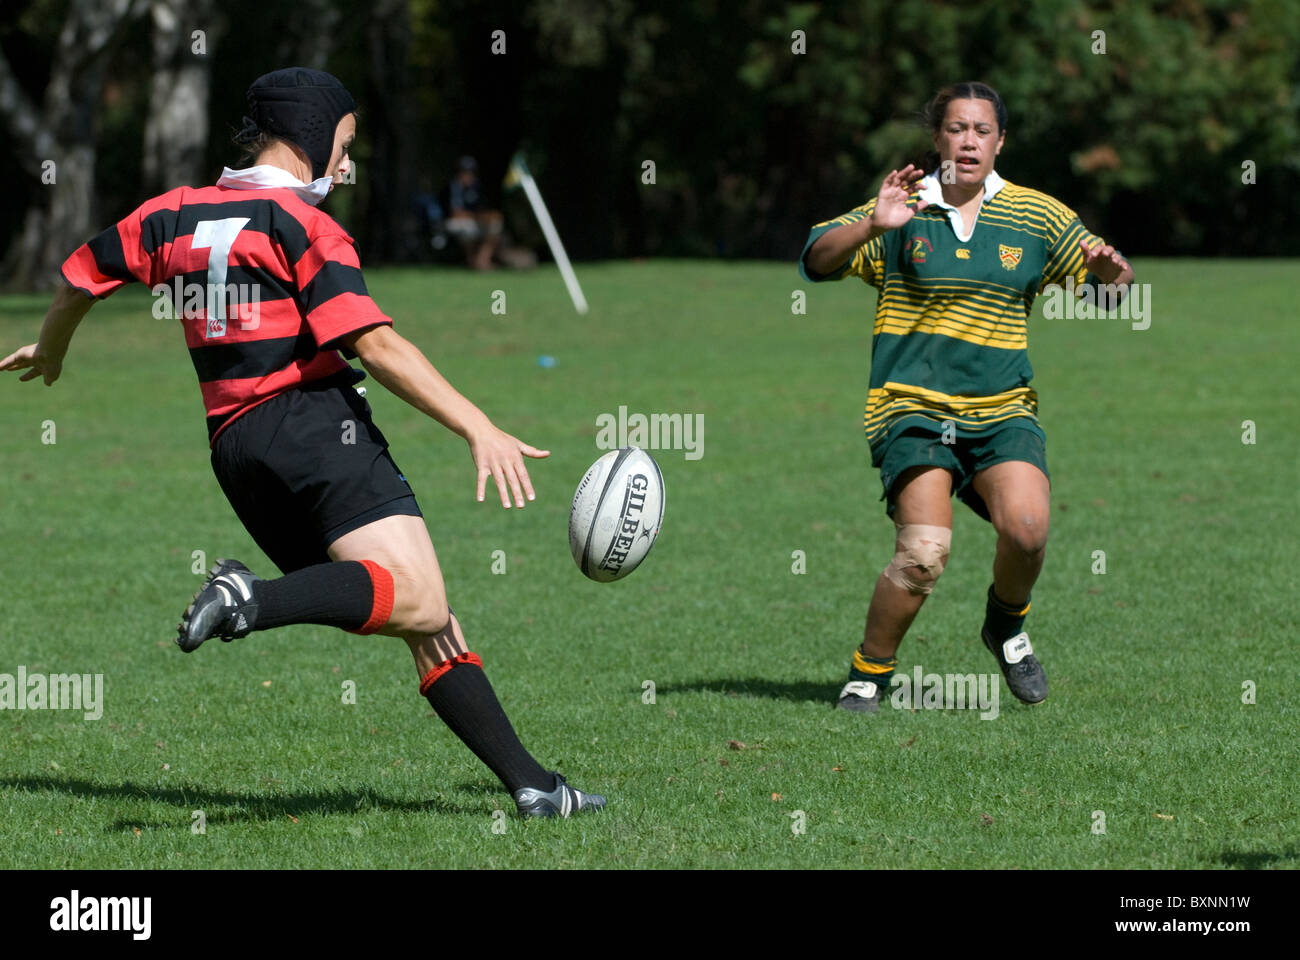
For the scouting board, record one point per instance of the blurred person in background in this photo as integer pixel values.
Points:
(477, 227)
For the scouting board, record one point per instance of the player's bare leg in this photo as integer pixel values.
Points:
(452, 677)
(1017, 495)
(924, 497)
(401, 545)
(430, 649)
(923, 500)
(384, 578)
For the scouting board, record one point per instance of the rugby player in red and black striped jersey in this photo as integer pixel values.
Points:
(269, 291)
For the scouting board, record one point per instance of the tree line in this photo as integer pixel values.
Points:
(675, 128)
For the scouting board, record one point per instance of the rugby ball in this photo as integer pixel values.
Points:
(616, 514)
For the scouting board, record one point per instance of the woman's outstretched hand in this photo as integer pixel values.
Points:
(893, 203)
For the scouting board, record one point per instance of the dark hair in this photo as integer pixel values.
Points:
(250, 150)
(934, 112)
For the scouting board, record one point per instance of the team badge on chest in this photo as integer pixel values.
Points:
(918, 248)
(1010, 256)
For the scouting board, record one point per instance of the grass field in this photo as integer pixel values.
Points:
(1146, 720)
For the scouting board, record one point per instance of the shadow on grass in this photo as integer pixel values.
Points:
(230, 806)
(1257, 859)
(798, 691)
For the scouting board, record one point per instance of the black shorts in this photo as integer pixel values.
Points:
(306, 467)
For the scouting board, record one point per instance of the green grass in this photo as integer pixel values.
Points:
(1145, 721)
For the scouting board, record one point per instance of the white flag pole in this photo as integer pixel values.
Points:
(520, 171)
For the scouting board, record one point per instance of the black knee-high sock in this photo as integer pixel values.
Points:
(1003, 620)
(353, 595)
(459, 692)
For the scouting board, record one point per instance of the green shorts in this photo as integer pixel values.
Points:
(1017, 439)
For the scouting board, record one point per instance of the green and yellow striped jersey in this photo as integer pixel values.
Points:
(949, 341)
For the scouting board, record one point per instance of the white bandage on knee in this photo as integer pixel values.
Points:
(920, 552)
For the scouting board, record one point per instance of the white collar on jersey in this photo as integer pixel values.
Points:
(265, 175)
(932, 192)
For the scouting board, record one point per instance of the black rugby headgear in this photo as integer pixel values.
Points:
(299, 105)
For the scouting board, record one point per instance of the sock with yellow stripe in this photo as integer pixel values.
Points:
(877, 670)
(1002, 621)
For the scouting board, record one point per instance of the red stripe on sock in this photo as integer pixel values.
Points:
(432, 676)
(382, 605)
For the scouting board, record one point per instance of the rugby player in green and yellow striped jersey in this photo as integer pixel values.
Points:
(957, 257)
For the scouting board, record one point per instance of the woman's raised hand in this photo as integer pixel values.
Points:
(893, 204)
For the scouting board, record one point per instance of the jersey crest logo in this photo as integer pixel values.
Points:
(919, 247)
(963, 253)
(1010, 256)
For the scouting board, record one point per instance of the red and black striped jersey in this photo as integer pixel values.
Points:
(264, 285)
